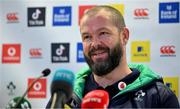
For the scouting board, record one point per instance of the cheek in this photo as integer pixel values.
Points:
(115, 43)
(85, 48)
(111, 42)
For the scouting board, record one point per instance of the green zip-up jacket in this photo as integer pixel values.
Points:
(146, 91)
(157, 94)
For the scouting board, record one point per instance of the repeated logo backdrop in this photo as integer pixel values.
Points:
(35, 35)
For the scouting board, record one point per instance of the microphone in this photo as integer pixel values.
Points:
(25, 104)
(61, 88)
(46, 72)
(95, 99)
(19, 100)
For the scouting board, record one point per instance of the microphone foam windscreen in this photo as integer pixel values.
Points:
(63, 81)
(95, 99)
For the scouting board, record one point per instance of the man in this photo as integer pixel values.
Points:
(104, 38)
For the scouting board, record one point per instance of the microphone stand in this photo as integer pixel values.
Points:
(31, 85)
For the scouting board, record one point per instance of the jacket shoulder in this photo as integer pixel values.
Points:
(167, 97)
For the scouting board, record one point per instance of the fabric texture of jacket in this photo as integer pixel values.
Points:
(147, 91)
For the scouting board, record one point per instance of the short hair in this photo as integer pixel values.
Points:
(115, 15)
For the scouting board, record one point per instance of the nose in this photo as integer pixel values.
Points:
(95, 42)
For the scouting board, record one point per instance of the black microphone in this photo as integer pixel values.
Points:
(45, 73)
(61, 88)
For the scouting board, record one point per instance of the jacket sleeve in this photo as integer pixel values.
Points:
(167, 98)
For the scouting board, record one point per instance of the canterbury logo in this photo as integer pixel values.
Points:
(141, 12)
(167, 49)
(37, 52)
(12, 16)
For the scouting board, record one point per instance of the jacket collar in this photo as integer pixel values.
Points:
(146, 77)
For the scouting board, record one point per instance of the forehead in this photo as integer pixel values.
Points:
(100, 20)
(96, 15)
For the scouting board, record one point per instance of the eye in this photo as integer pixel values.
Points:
(104, 33)
(86, 37)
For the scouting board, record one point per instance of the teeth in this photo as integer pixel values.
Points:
(98, 52)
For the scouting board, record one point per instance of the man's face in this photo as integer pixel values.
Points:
(101, 44)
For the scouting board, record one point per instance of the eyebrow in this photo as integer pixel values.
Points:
(103, 28)
(100, 29)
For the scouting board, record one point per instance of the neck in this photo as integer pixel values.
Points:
(121, 71)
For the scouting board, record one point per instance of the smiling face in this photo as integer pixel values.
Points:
(101, 43)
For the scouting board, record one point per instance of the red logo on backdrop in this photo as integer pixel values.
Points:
(83, 9)
(35, 53)
(168, 50)
(11, 53)
(39, 88)
(12, 17)
(141, 13)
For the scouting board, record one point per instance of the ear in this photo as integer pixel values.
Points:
(125, 35)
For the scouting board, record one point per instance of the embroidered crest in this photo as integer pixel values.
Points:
(139, 95)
